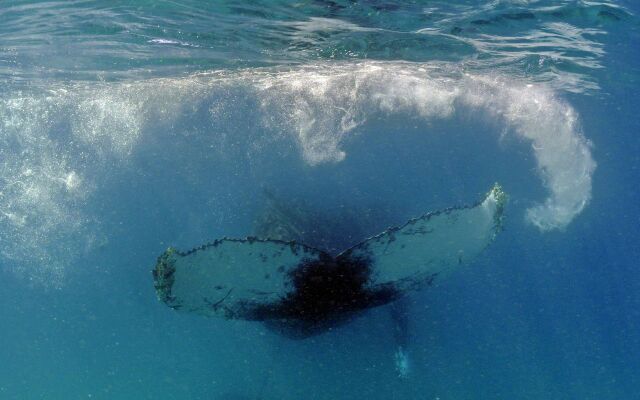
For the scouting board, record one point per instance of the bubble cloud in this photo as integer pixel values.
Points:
(322, 105)
(55, 143)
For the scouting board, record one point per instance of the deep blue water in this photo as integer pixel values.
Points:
(130, 126)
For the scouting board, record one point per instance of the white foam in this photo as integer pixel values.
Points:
(52, 144)
(38, 192)
(43, 174)
(322, 105)
(56, 147)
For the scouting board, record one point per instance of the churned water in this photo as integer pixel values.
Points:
(130, 126)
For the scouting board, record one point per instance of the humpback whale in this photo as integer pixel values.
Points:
(301, 291)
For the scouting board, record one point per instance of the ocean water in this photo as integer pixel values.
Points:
(130, 126)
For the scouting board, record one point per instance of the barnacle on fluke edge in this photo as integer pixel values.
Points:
(302, 291)
(163, 276)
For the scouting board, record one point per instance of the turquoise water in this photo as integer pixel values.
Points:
(130, 126)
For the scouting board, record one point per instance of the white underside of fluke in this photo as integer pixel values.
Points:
(433, 244)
